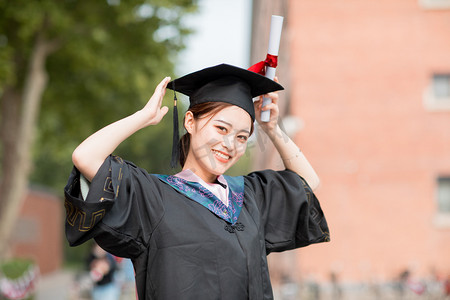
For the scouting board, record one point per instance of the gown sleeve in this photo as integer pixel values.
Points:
(120, 211)
(290, 212)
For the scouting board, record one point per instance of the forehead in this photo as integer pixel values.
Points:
(234, 115)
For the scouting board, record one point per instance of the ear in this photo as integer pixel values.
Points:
(189, 122)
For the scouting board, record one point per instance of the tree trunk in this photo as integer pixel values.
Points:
(19, 140)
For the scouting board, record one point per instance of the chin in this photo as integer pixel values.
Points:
(220, 168)
(218, 171)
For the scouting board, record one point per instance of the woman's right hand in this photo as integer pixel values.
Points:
(152, 111)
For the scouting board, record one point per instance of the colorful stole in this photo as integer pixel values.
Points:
(200, 194)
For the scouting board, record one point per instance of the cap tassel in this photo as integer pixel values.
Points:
(176, 135)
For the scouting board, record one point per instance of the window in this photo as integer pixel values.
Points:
(443, 195)
(442, 217)
(441, 86)
(435, 4)
(437, 95)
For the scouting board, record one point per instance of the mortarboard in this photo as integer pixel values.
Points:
(221, 83)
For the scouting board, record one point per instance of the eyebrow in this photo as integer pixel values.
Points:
(231, 125)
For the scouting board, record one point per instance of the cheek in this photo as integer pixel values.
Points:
(240, 149)
(211, 137)
(203, 140)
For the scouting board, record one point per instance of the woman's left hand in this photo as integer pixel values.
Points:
(271, 126)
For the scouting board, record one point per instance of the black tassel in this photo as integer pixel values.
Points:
(176, 134)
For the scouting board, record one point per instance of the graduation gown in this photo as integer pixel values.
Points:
(183, 243)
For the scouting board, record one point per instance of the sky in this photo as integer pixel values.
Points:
(222, 35)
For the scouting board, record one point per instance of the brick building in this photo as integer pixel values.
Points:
(370, 83)
(38, 234)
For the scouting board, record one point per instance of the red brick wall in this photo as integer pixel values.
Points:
(38, 233)
(359, 71)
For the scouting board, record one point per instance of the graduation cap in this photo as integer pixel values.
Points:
(221, 83)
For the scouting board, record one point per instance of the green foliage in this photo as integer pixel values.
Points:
(15, 268)
(110, 57)
(242, 166)
(75, 257)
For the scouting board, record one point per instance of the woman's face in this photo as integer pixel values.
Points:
(217, 141)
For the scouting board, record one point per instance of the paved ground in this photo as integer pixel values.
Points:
(62, 285)
(55, 286)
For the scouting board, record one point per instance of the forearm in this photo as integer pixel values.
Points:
(293, 158)
(91, 153)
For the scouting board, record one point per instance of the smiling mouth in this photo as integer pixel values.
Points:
(223, 157)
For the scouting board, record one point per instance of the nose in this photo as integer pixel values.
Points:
(229, 142)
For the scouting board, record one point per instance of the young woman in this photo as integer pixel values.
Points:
(198, 234)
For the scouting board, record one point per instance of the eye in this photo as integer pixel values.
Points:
(221, 129)
(242, 138)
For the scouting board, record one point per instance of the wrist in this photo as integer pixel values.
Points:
(142, 118)
(274, 132)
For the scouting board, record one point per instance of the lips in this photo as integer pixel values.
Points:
(221, 156)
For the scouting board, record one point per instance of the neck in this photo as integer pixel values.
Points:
(205, 176)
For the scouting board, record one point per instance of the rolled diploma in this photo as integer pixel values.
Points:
(276, 25)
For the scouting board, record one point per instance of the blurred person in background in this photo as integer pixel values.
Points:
(102, 268)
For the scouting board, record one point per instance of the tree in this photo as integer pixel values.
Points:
(87, 63)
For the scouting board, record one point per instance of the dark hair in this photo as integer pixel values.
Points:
(199, 111)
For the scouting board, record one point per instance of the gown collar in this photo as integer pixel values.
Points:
(219, 189)
(202, 195)
(191, 176)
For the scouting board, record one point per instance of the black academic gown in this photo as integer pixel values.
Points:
(182, 250)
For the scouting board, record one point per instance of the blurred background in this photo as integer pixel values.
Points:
(367, 99)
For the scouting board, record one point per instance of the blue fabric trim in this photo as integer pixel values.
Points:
(197, 192)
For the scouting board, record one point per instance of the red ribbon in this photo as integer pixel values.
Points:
(260, 68)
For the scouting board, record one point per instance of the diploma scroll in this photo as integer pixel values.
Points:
(276, 26)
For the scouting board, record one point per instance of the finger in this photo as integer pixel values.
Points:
(164, 111)
(272, 102)
(257, 104)
(158, 95)
(259, 100)
(273, 96)
(160, 114)
(162, 89)
(161, 97)
(271, 106)
(260, 106)
(163, 83)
